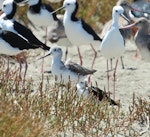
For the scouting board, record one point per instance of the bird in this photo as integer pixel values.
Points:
(83, 90)
(69, 71)
(126, 33)
(8, 22)
(143, 5)
(40, 14)
(142, 37)
(77, 30)
(113, 45)
(12, 44)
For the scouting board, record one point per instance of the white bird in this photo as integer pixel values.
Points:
(69, 71)
(8, 22)
(40, 14)
(112, 45)
(77, 31)
(12, 44)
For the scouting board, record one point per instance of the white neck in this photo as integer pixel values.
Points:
(115, 21)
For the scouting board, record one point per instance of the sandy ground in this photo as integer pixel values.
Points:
(135, 78)
(129, 81)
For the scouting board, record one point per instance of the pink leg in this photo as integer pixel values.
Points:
(42, 70)
(95, 55)
(115, 79)
(46, 36)
(136, 54)
(80, 57)
(26, 67)
(89, 79)
(20, 67)
(7, 70)
(108, 78)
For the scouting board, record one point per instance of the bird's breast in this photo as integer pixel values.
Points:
(44, 18)
(76, 34)
(112, 44)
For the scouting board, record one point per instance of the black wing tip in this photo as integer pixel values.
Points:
(93, 71)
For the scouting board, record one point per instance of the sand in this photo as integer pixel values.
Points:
(135, 78)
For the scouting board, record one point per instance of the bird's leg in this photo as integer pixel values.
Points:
(115, 79)
(136, 54)
(121, 58)
(108, 78)
(89, 79)
(66, 53)
(26, 67)
(20, 67)
(111, 66)
(42, 70)
(80, 57)
(95, 55)
(7, 70)
(46, 35)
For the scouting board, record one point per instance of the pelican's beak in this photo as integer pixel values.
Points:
(45, 56)
(125, 18)
(58, 9)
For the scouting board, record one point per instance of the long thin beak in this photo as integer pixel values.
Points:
(45, 56)
(58, 9)
(135, 9)
(125, 17)
(128, 26)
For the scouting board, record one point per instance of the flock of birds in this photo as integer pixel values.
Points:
(15, 37)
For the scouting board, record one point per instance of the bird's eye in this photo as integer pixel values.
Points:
(54, 49)
(68, 4)
(116, 10)
(4, 5)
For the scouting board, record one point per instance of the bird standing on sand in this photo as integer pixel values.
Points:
(77, 31)
(142, 37)
(126, 33)
(112, 45)
(8, 22)
(69, 71)
(40, 14)
(12, 44)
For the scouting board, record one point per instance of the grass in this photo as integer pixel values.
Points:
(41, 109)
(44, 109)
